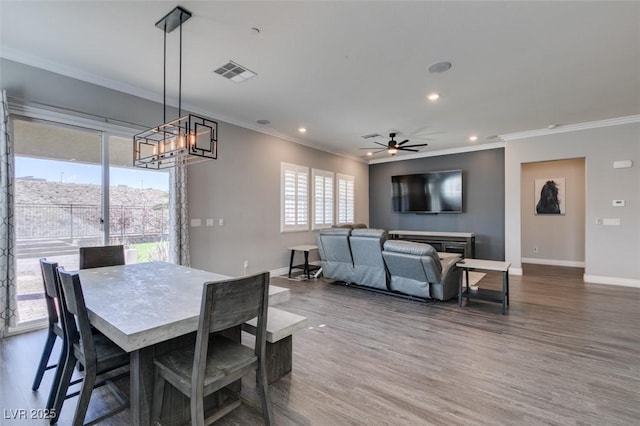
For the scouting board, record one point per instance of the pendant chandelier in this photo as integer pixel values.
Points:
(185, 140)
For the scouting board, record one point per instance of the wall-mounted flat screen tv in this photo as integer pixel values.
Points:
(433, 192)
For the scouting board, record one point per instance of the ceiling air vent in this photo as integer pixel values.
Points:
(372, 135)
(235, 72)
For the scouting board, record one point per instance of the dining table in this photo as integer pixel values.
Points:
(147, 309)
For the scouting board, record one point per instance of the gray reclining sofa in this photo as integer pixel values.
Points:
(365, 257)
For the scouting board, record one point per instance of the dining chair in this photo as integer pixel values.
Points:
(216, 361)
(54, 329)
(97, 257)
(95, 352)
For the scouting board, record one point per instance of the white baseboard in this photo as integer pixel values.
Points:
(285, 270)
(599, 279)
(554, 262)
(280, 271)
(515, 271)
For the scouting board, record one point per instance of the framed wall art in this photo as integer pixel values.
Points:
(549, 196)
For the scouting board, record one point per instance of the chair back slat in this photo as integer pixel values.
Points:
(97, 257)
(234, 302)
(51, 288)
(74, 312)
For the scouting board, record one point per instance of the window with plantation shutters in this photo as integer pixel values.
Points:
(294, 197)
(322, 198)
(345, 199)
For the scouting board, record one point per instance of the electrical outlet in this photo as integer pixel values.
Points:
(246, 264)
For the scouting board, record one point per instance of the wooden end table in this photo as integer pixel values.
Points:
(485, 294)
(305, 248)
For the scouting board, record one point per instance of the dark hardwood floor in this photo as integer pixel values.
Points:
(566, 353)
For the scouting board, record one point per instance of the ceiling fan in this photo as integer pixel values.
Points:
(393, 146)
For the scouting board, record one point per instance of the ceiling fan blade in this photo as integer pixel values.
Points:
(407, 149)
(415, 146)
(381, 144)
(403, 142)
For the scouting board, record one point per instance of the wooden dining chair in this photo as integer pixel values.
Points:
(95, 352)
(216, 361)
(54, 328)
(97, 257)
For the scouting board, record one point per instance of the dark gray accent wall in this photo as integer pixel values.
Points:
(482, 191)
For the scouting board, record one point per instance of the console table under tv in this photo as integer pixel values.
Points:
(450, 242)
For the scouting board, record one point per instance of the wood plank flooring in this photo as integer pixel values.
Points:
(567, 353)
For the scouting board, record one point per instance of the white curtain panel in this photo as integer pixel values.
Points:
(8, 307)
(179, 216)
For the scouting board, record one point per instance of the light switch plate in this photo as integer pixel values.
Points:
(611, 221)
(196, 222)
(623, 164)
(209, 222)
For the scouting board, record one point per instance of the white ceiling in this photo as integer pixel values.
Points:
(346, 69)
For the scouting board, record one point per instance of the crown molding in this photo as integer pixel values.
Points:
(461, 150)
(572, 128)
(75, 73)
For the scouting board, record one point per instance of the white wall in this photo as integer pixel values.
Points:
(611, 252)
(558, 239)
(243, 188)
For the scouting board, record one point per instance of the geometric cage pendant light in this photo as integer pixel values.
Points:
(185, 140)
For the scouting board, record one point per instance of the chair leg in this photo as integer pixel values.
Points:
(61, 392)
(197, 409)
(85, 395)
(263, 392)
(158, 396)
(55, 384)
(44, 359)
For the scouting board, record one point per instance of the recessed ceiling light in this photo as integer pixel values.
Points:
(302, 130)
(473, 138)
(369, 153)
(263, 122)
(439, 67)
(433, 96)
(552, 126)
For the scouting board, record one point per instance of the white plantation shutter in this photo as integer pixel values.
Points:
(322, 198)
(345, 199)
(295, 197)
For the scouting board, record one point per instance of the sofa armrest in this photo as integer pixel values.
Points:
(450, 277)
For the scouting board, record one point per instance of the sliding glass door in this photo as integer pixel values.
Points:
(76, 187)
(138, 206)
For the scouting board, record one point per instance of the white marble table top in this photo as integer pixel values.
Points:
(487, 265)
(303, 247)
(143, 304)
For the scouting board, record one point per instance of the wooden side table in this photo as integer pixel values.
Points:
(485, 294)
(305, 248)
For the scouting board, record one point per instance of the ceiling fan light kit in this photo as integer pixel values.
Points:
(185, 140)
